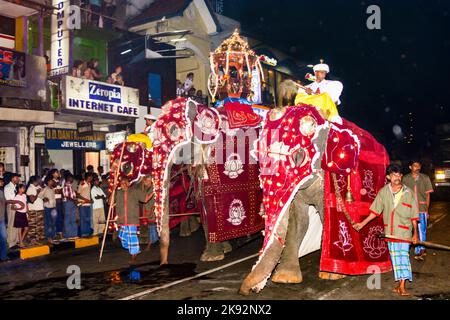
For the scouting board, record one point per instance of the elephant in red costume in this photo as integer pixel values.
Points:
(318, 177)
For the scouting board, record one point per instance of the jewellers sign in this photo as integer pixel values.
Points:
(60, 38)
(69, 139)
(99, 97)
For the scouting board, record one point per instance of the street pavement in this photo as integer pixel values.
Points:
(187, 278)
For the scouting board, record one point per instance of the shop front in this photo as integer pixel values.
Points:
(88, 110)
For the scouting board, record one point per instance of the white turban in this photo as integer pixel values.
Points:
(150, 117)
(321, 67)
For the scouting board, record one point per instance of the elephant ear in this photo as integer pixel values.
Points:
(342, 150)
(206, 124)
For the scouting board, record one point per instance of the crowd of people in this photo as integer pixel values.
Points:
(89, 70)
(187, 89)
(55, 207)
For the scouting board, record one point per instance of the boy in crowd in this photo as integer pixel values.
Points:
(396, 203)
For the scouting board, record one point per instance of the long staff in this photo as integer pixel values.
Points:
(111, 200)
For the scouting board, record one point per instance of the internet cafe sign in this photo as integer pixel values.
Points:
(64, 19)
(100, 98)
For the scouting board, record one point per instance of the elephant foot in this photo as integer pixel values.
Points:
(245, 288)
(331, 275)
(287, 275)
(208, 257)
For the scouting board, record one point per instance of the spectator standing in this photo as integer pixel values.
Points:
(21, 219)
(3, 234)
(70, 207)
(119, 80)
(100, 171)
(77, 69)
(50, 213)
(189, 82)
(93, 65)
(55, 175)
(421, 185)
(98, 196)
(87, 74)
(180, 90)
(117, 72)
(10, 194)
(84, 194)
(2, 170)
(35, 211)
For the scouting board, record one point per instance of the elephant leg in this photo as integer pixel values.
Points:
(193, 224)
(185, 231)
(288, 270)
(267, 262)
(213, 252)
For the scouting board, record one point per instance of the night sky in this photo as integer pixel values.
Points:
(387, 74)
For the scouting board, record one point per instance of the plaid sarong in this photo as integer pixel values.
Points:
(36, 227)
(401, 265)
(128, 237)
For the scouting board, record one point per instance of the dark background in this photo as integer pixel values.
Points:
(394, 76)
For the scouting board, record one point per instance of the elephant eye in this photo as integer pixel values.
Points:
(127, 168)
(308, 125)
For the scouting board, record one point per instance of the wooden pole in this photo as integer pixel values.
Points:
(111, 200)
(420, 243)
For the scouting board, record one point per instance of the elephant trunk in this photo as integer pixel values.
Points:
(165, 230)
(268, 260)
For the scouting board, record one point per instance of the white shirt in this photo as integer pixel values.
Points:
(188, 84)
(10, 191)
(333, 88)
(23, 199)
(58, 186)
(98, 203)
(38, 204)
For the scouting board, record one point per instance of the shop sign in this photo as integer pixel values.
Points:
(114, 138)
(60, 38)
(69, 139)
(85, 128)
(12, 68)
(101, 98)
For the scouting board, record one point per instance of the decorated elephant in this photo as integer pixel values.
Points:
(192, 134)
(317, 178)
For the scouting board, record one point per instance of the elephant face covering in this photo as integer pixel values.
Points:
(289, 155)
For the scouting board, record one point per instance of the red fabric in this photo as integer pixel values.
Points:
(281, 140)
(241, 115)
(178, 200)
(232, 193)
(344, 250)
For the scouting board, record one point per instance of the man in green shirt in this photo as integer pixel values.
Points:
(421, 185)
(397, 204)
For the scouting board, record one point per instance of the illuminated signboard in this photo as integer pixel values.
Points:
(60, 38)
(99, 97)
(69, 139)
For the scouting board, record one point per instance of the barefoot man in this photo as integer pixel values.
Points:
(397, 204)
(127, 209)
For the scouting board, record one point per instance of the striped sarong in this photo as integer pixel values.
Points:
(401, 265)
(129, 238)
